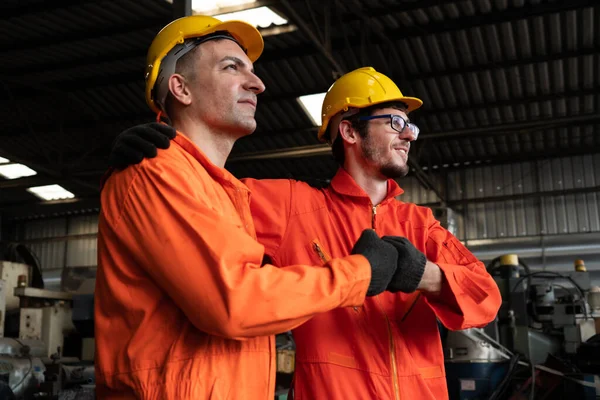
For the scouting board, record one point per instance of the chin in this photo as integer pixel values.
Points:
(244, 128)
(250, 128)
(394, 171)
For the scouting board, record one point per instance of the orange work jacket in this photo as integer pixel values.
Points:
(390, 347)
(183, 307)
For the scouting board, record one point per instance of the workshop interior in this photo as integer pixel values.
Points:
(508, 160)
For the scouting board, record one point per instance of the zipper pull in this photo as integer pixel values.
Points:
(373, 219)
(320, 253)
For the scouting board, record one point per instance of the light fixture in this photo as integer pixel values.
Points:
(261, 17)
(4, 160)
(15, 171)
(312, 104)
(203, 6)
(51, 192)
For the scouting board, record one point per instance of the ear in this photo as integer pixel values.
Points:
(179, 89)
(347, 132)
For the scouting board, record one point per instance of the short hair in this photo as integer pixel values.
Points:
(362, 127)
(185, 67)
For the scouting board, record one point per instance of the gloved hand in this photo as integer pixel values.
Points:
(134, 144)
(382, 256)
(411, 265)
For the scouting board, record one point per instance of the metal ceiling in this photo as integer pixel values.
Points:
(502, 81)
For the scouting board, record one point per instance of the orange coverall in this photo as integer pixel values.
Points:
(390, 347)
(183, 307)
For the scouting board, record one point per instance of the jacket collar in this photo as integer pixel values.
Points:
(344, 184)
(220, 174)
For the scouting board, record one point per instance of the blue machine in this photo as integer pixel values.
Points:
(474, 380)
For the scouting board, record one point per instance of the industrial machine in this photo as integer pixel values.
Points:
(47, 348)
(545, 330)
(46, 338)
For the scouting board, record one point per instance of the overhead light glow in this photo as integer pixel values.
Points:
(201, 6)
(4, 160)
(312, 105)
(15, 171)
(261, 17)
(51, 192)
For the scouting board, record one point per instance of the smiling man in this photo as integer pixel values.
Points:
(184, 308)
(389, 348)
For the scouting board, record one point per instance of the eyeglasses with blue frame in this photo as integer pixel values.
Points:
(397, 123)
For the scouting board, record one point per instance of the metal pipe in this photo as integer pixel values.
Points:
(64, 238)
(550, 252)
(506, 128)
(289, 152)
(521, 196)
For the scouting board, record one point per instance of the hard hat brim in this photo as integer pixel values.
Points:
(413, 103)
(247, 35)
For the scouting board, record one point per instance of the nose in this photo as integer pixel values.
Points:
(410, 132)
(254, 84)
(407, 134)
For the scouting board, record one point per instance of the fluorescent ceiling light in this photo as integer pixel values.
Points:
(202, 6)
(15, 171)
(51, 192)
(4, 160)
(261, 17)
(312, 105)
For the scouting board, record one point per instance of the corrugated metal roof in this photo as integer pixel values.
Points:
(501, 80)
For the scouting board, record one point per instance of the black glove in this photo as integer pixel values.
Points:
(382, 256)
(411, 265)
(134, 144)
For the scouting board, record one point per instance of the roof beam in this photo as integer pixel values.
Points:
(435, 27)
(121, 78)
(308, 31)
(523, 157)
(9, 130)
(85, 205)
(50, 173)
(154, 24)
(519, 196)
(91, 204)
(450, 72)
(133, 56)
(82, 35)
(593, 91)
(324, 149)
(463, 23)
(502, 129)
(29, 181)
(41, 8)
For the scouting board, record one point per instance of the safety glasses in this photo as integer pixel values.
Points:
(397, 123)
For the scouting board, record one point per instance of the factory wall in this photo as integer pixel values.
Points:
(530, 208)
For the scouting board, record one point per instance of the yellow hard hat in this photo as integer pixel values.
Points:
(175, 33)
(361, 88)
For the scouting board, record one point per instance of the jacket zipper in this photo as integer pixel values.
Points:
(389, 326)
(320, 252)
(393, 359)
(373, 217)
